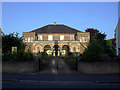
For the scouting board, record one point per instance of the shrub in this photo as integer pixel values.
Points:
(19, 56)
(93, 52)
(44, 63)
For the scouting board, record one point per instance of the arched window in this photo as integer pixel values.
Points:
(47, 49)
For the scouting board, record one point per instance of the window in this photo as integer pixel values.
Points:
(25, 39)
(80, 39)
(28, 39)
(61, 37)
(50, 37)
(86, 39)
(31, 39)
(71, 37)
(40, 37)
(83, 39)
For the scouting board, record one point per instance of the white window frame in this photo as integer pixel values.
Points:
(81, 39)
(40, 37)
(50, 37)
(61, 37)
(86, 39)
(72, 37)
(31, 39)
(28, 39)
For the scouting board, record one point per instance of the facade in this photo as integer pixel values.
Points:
(117, 31)
(56, 39)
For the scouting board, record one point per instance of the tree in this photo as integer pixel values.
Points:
(97, 48)
(93, 52)
(92, 32)
(11, 40)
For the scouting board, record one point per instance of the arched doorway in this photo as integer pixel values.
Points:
(56, 50)
(65, 50)
(47, 49)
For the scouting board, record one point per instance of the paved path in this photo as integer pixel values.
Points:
(57, 66)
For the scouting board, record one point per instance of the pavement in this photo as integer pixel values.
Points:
(60, 75)
(57, 66)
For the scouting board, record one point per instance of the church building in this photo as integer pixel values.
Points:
(56, 40)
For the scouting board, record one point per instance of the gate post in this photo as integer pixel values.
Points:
(77, 62)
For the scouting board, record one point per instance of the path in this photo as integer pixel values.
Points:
(57, 66)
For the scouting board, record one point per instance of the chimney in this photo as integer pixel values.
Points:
(55, 22)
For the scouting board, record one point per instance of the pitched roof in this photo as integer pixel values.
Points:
(56, 29)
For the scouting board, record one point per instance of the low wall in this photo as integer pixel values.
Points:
(99, 67)
(19, 67)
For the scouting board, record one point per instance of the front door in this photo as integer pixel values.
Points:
(56, 50)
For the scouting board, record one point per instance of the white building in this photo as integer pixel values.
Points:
(117, 31)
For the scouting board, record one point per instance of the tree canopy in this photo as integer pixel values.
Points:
(11, 40)
(98, 47)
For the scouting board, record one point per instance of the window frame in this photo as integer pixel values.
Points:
(50, 37)
(29, 39)
(26, 39)
(72, 37)
(40, 37)
(62, 37)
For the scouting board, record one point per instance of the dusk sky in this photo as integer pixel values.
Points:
(26, 16)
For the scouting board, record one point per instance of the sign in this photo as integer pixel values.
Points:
(14, 49)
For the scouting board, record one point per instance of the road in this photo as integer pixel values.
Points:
(61, 77)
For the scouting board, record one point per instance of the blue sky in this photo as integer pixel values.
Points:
(26, 16)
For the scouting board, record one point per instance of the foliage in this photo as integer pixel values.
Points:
(97, 48)
(70, 59)
(44, 63)
(44, 55)
(93, 52)
(71, 62)
(109, 43)
(19, 56)
(11, 40)
(117, 58)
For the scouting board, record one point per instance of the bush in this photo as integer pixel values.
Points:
(71, 61)
(44, 63)
(93, 52)
(19, 56)
(117, 58)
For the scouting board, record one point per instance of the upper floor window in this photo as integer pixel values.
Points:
(80, 39)
(71, 37)
(86, 39)
(40, 37)
(25, 39)
(50, 37)
(61, 37)
(83, 39)
(28, 39)
(31, 39)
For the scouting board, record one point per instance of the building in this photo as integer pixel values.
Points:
(56, 39)
(117, 31)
